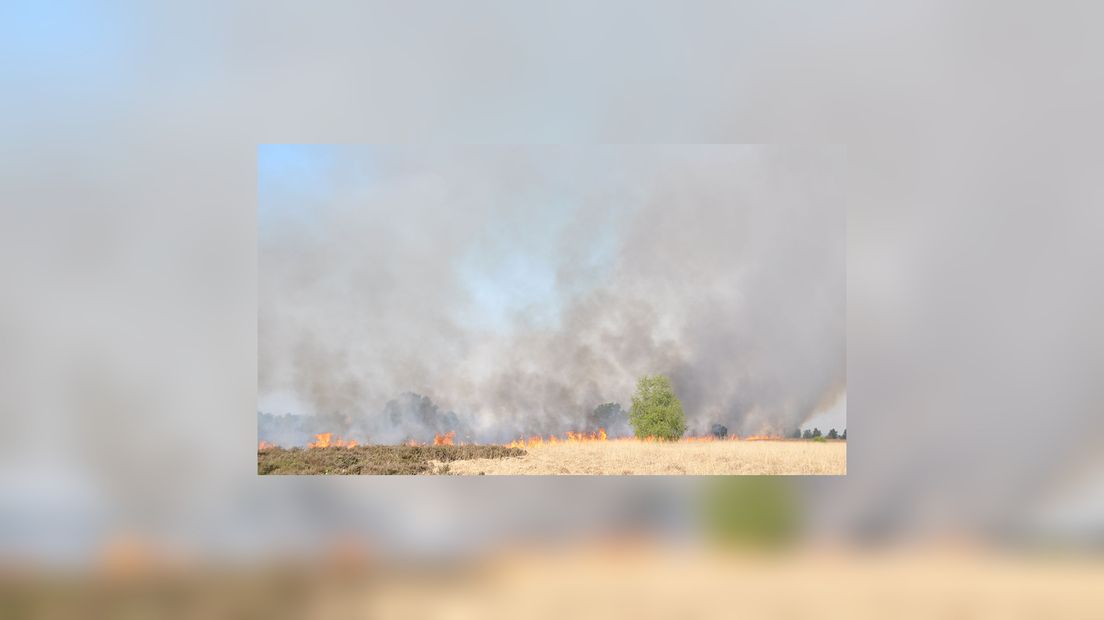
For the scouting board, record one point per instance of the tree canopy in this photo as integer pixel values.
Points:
(656, 410)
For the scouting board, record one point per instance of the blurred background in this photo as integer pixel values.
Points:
(128, 256)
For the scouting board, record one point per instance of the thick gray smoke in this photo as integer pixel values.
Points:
(410, 416)
(518, 288)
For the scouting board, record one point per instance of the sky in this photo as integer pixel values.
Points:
(834, 416)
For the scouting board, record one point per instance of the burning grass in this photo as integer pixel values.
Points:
(374, 460)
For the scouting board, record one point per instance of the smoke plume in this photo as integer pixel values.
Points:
(504, 291)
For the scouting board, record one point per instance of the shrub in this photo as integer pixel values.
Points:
(656, 411)
(750, 511)
(611, 417)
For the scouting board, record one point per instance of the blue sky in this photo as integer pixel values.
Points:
(512, 268)
(295, 169)
(292, 179)
(66, 45)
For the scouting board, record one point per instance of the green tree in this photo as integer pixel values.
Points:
(832, 434)
(796, 434)
(816, 432)
(807, 434)
(844, 435)
(656, 411)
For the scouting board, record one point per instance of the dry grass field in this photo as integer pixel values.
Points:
(618, 457)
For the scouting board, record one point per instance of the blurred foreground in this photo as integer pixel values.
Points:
(613, 580)
(743, 542)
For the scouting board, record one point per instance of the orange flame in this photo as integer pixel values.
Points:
(326, 440)
(576, 437)
(570, 437)
(264, 445)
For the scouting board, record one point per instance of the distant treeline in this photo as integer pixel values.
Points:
(816, 434)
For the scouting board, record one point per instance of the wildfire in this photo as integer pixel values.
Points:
(570, 437)
(576, 437)
(326, 440)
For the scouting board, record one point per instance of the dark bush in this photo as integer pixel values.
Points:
(609, 417)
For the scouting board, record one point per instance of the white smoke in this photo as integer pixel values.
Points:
(521, 287)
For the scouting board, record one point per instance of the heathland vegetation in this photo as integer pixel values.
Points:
(370, 460)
